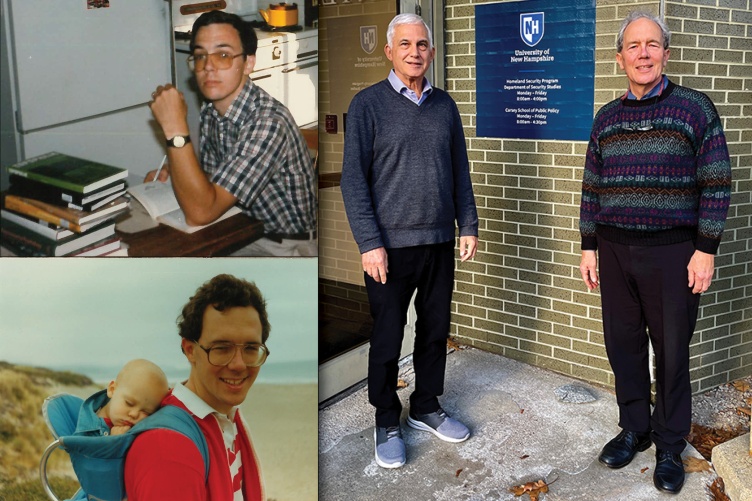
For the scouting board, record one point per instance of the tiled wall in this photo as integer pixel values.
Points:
(523, 296)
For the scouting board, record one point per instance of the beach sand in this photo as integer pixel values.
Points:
(284, 427)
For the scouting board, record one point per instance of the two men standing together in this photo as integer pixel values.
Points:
(655, 195)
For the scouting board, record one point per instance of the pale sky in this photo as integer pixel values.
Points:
(106, 311)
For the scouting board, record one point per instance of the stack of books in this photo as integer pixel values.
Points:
(59, 205)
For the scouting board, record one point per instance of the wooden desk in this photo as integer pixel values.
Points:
(220, 239)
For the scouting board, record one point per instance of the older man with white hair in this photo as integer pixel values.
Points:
(405, 183)
(655, 193)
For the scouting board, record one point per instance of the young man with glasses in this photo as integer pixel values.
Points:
(224, 328)
(655, 193)
(251, 151)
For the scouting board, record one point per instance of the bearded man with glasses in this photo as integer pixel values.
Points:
(224, 328)
(655, 192)
(252, 153)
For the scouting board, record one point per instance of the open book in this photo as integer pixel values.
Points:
(159, 201)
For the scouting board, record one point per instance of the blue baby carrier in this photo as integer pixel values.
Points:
(99, 461)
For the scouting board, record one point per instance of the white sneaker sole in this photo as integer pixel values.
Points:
(419, 425)
(379, 461)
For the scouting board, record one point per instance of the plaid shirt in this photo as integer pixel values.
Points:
(256, 152)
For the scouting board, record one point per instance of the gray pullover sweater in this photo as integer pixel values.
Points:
(405, 173)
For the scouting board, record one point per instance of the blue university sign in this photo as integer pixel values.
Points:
(532, 27)
(532, 86)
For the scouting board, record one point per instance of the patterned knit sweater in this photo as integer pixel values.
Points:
(667, 184)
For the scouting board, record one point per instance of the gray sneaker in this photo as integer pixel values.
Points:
(441, 425)
(389, 446)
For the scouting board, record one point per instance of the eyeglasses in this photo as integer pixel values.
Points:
(220, 60)
(221, 354)
(642, 125)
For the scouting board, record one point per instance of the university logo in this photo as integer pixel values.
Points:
(531, 28)
(368, 38)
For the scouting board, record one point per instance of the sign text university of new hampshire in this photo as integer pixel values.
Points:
(535, 69)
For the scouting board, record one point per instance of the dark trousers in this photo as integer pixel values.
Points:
(648, 287)
(430, 270)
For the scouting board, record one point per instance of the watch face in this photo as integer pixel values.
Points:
(178, 141)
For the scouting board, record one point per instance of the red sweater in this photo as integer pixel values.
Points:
(164, 465)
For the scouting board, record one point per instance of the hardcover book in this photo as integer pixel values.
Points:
(49, 230)
(24, 187)
(72, 219)
(68, 172)
(30, 243)
(105, 247)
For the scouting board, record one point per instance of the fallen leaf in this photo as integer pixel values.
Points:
(457, 474)
(742, 410)
(704, 438)
(694, 465)
(453, 345)
(525, 456)
(522, 410)
(718, 490)
(741, 385)
(401, 383)
(644, 469)
(533, 489)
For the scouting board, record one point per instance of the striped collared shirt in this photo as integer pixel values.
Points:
(256, 152)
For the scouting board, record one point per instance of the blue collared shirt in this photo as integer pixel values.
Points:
(409, 93)
(655, 91)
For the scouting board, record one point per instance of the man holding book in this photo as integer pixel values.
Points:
(251, 151)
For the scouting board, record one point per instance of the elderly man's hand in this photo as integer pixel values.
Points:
(589, 268)
(375, 264)
(468, 247)
(700, 270)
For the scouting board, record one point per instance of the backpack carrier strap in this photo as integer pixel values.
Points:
(99, 461)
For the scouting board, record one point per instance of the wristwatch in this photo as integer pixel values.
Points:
(178, 141)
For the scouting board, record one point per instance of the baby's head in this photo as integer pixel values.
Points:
(135, 394)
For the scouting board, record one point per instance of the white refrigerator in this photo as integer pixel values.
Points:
(76, 77)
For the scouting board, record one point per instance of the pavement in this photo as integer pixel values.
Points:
(527, 424)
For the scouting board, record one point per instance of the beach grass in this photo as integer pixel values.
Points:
(24, 435)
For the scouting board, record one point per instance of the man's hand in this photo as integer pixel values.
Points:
(375, 264)
(170, 110)
(468, 247)
(589, 268)
(700, 270)
(164, 174)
